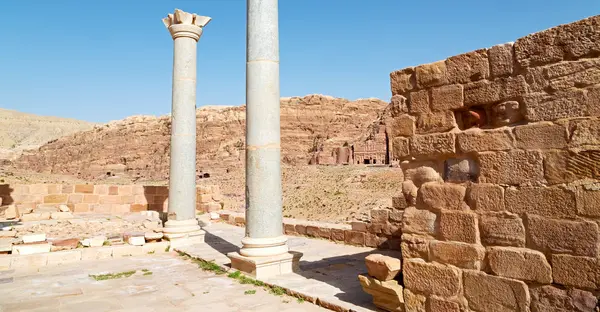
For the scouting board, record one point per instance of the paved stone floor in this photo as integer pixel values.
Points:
(329, 271)
(174, 285)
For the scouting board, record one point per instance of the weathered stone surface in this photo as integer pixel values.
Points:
(431, 75)
(354, 238)
(580, 272)
(567, 104)
(485, 197)
(403, 80)
(467, 67)
(588, 203)
(420, 175)
(514, 168)
(64, 244)
(383, 268)
(34, 238)
(61, 215)
(64, 257)
(418, 221)
(11, 233)
(415, 246)
(439, 304)
(505, 113)
(552, 299)
(542, 135)
(30, 261)
(432, 145)
(400, 147)
(575, 74)
(96, 241)
(461, 169)
(398, 105)
(29, 249)
(477, 140)
(501, 60)
(488, 92)
(585, 133)
(418, 102)
(437, 196)
(501, 229)
(570, 41)
(554, 202)
(486, 293)
(447, 97)
(459, 226)
(462, 255)
(431, 278)
(520, 263)
(398, 203)
(379, 215)
(12, 212)
(435, 122)
(579, 238)
(414, 302)
(387, 295)
(97, 253)
(556, 167)
(403, 125)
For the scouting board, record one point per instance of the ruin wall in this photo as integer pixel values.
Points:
(500, 150)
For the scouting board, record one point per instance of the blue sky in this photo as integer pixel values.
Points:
(109, 59)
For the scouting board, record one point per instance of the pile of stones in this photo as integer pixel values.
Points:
(382, 282)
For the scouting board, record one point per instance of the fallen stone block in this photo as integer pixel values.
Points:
(135, 238)
(33, 248)
(61, 215)
(64, 244)
(387, 295)
(382, 267)
(8, 234)
(96, 241)
(35, 216)
(153, 236)
(11, 212)
(34, 238)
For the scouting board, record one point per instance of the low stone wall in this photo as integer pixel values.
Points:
(113, 199)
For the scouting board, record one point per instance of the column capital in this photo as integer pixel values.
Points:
(184, 24)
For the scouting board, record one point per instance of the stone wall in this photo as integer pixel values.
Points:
(113, 199)
(500, 150)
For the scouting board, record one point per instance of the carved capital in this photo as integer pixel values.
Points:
(184, 24)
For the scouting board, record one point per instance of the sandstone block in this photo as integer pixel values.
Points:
(520, 263)
(56, 199)
(438, 304)
(398, 105)
(419, 175)
(400, 147)
(396, 215)
(110, 199)
(354, 238)
(448, 97)
(96, 253)
(337, 235)
(91, 199)
(152, 236)
(155, 247)
(316, 231)
(437, 196)
(101, 189)
(488, 92)
(8, 233)
(379, 215)
(567, 104)
(372, 240)
(550, 298)
(501, 229)
(35, 216)
(289, 229)
(419, 221)
(29, 261)
(586, 133)
(61, 215)
(431, 278)
(67, 189)
(12, 212)
(301, 229)
(579, 238)
(403, 125)
(543, 135)
(127, 251)
(435, 122)
(486, 293)
(382, 267)
(546, 201)
(459, 226)
(403, 80)
(485, 197)
(387, 295)
(358, 226)
(205, 198)
(505, 113)
(64, 244)
(557, 165)
(588, 203)
(513, 168)
(431, 75)
(34, 238)
(113, 190)
(580, 272)
(501, 60)
(399, 203)
(467, 67)
(32, 248)
(461, 169)
(415, 246)
(477, 140)
(432, 145)
(418, 102)
(64, 257)
(84, 188)
(462, 255)
(81, 208)
(96, 241)
(414, 302)
(575, 74)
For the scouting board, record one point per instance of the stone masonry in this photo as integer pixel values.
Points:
(501, 205)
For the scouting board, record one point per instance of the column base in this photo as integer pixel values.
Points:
(265, 267)
(183, 232)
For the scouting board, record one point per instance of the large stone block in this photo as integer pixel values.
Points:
(520, 263)
(549, 107)
(64, 257)
(415, 246)
(418, 221)
(486, 293)
(554, 202)
(420, 172)
(552, 299)
(383, 268)
(435, 122)
(56, 199)
(501, 60)
(556, 167)
(588, 203)
(379, 215)
(462, 255)
(488, 92)
(418, 102)
(543, 135)
(354, 238)
(501, 229)
(513, 168)
(437, 196)
(448, 97)
(570, 41)
(585, 133)
(403, 125)
(439, 304)
(387, 295)
(485, 197)
(400, 147)
(414, 302)
(579, 238)
(505, 113)
(432, 145)
(431, 278)
(477, 140)
(431, 75)
(402, 81)
(459, 226)
(467, 67)
(576, 74)
(580, 272)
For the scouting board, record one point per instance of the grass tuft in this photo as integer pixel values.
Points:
(250, 292)
(109, 276)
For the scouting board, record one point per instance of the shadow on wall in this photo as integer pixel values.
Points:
(5, 195)
(157, 199)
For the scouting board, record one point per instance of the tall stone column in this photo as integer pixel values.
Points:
(186, 29)
(265, 251)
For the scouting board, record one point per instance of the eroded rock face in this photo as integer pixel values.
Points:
(141, 143)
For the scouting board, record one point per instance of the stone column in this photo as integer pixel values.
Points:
(265, 251)
(186, 29)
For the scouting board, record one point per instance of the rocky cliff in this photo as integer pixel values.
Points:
(139, 145)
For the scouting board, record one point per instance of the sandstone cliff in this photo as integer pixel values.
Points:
(140, 144)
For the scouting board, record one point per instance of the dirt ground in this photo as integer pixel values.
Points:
(317, 193)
